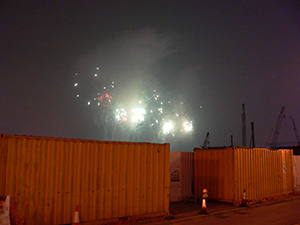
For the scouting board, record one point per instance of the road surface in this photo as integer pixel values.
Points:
(283, 213)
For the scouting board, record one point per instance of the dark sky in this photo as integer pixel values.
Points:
(209, 56)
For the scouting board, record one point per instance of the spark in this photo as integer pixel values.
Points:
(138, 115)
(121, 115)
(188, 126)
(167, 127)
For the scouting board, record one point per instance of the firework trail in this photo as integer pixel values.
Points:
(141, 113)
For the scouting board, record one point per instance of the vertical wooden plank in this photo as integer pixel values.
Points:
(144, 178)
(284, 177)
(3, 162)
(93, 179)
(166, 163)
(48, 214)
(197, 171)
(115, 181)
(150, 172)
(122, 181)
(296, 160)
(155, 180)
(160, 178)
(107, 181)
(58, 175)
(260, 167)
(41, 179)
(133, 180)
(67, 162)
(253, 178)
(128, 177)
(235, 175)
(76, 171)
(271, 184)
(32, 182)
(291, 171)
(18, 177)
(130, 180)
(137, 178)
(101, 176)
(10, 180)
(85, 181)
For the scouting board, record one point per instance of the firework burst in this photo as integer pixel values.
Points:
(141, 113)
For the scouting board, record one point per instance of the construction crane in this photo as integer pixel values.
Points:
(206, 141)
(244, 140)
(278, 126)
(295, 131)
(252, 140)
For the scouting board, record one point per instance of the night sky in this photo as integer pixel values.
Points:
(205, 57)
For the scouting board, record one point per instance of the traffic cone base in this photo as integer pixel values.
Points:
(244, 201)
(76, 217)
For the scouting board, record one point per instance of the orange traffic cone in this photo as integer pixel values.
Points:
(203, 207)
(244, 201)
(76, 216)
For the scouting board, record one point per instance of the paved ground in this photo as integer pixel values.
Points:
(277, 213)
(179, 210)
(184, 209)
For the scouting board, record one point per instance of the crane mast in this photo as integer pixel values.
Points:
(295, 131)
(278, 126)
(206, 141)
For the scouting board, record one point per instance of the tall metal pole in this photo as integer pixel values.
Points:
(252, 142)
(244, 140)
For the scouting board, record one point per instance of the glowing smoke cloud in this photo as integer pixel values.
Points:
(118, 83)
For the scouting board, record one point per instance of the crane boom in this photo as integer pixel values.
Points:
(278, 126)
(295, 131)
